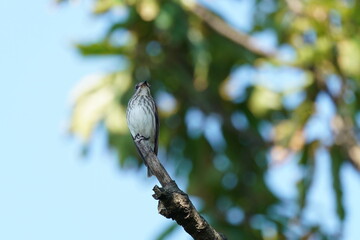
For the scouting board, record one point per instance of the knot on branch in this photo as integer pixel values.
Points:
(175, 204)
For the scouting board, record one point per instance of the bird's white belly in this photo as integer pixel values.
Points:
(141, 123)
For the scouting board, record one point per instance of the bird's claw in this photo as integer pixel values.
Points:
(138, 138)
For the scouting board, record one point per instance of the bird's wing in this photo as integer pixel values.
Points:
(157, 126)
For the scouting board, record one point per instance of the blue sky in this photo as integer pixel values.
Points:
(47, 189)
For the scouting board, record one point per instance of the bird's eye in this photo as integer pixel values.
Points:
(137, 86)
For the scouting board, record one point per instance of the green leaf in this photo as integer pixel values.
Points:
(101, 48)
(349, 56)
(307, 162)
(336, 164)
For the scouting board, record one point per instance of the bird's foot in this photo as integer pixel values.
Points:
(139, 138)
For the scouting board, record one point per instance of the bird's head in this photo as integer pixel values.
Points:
(142, 88)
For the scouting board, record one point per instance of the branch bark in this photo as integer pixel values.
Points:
(174, 203)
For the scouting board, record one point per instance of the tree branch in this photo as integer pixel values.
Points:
(174, 203)
(223, 28)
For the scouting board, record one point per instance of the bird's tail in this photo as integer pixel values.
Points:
(149, 173)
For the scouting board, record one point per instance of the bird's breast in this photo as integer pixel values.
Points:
(141, 121)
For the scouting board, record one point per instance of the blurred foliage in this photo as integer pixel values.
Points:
(230, 109)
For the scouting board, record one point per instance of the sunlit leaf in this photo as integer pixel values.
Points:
(349, 56)
(147, 9)
(95, 100)
(102, 6)
(263, 100)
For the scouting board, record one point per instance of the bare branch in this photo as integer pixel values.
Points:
(174, 203)
(229, 32)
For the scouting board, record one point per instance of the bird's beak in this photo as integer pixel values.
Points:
(146, 84)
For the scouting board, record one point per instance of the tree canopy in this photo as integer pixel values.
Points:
(232, 105)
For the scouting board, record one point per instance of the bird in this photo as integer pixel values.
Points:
(143, 120)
